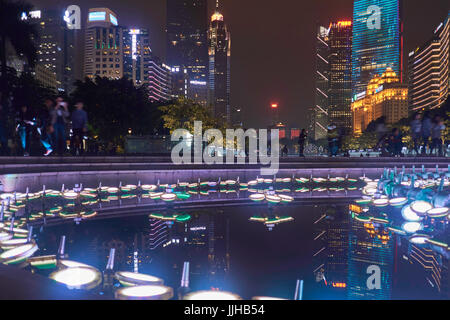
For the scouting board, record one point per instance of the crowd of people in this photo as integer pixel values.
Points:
(49, 125)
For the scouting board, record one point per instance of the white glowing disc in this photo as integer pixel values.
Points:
(144, 293)
(421, 207)
(267, 298)
(18, 253)
(131, 279)
(419, 238)
(410, 215)
(398, 201)
(211, 295)
(438, 212)
(78, 278)
(412, 227)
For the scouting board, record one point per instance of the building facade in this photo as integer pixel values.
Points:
(385, 97)
(429, 71)
(103, 52)
(377, 41)
(187, 46)
(322, 83)
(55, 48)
(219, 41)
(340, 75)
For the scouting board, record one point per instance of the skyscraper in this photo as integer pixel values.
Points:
(370, 247)
(429, 70)
(322, 83)
(187, 46)
(103, 52)
(340, 75)
(55, 47)
(219, 42)
(377, 41)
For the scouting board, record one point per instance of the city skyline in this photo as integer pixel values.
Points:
(291, 82)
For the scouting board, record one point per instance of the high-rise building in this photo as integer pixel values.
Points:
(377, 41)
(103, 52)
(370, 248)
(340, 75)
(55, 47)
(137, 54)
(429, 71)
(385, 97)
(160, 80)
(322, 83)
(219, 41)
(187, 46)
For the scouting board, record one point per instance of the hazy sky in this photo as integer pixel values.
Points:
(273, 44)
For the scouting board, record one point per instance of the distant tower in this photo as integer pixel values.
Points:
(187, 47)
(219, 41)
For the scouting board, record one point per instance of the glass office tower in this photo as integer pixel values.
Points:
(377, 40)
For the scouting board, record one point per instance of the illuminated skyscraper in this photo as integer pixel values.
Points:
(369, 246)
(322, 83)
(55, 47)
(187, 46)
(340, 76)
(377, 40)
(429, 70)
(103, 52)
(219, 41)
(137, 54)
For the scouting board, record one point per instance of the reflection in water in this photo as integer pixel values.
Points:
(252, 249)
(227, 252)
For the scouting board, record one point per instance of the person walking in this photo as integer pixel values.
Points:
(79, 128)
(416, 131)
(333, 137)
(437, 133)
(24, 124)
(427, 124)
(301, 142)
(3, 133)
(45, 128)
(59, 115)
(396, 143)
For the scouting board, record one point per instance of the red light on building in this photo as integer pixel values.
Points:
(295, 133)
(344, 23)
(274, 105)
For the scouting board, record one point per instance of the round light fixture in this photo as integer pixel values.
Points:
(132, 279)
(144, 293)
(211, 295)
(80, 278)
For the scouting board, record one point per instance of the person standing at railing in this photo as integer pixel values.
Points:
(416, 130)
(437, 134)
(3, 132)
(427, 124)
(59, 115)
(79, 128)
(24, 125)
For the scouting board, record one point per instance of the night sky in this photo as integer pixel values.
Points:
(273, 44)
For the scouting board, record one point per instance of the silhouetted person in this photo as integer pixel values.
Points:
(437, 132)
(24, 125)
(396, 143)
(427, 125)
(3, 132)
(45, 128)
(79, 128)
(59, 116)
(284, 151)
(333, 137)
(416, 132)
(301, 142)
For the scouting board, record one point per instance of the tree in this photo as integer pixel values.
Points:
(183, 112)
(114, 107)
(15, 34)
